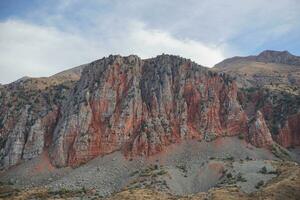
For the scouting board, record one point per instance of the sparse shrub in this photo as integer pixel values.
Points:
(240, 178)
(241, 136)
(63, 191)
(229, 175)
(263, 170)
(280, 152)
(276, 172)
(162, 172)
(229, 158)
(83, 190)
(259, 184)
(182, 168)
(134, 173)
(248, 158)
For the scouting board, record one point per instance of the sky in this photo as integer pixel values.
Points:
(44, 37)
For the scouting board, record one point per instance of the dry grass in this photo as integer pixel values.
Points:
(285, 186)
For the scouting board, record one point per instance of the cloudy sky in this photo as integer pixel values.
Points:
(43, 37)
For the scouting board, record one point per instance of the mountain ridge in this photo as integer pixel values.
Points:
(166, 123)
(267, 56)
(126, 103)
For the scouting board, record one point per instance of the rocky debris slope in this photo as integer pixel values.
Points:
(242, 171)
(186, 168)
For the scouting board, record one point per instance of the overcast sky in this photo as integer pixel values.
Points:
(40, 38)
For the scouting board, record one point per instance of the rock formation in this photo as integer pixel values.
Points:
(128, 104)
(269, 83)
(259, 134)
(141, 106)
(289, 134)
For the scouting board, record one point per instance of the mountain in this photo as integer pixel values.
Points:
(269, 83)
(139, 106)
(166, 123)
(29, 110)
(273, 69)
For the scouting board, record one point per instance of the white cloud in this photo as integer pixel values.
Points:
(73, 32)
(30, 50)
(148, 43)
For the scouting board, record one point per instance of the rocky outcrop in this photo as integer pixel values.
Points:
(281, 57)
(141, 106)
(125, 103)
(269, 83)
(289, 135)
(259, 134)
(268, 56)
(29, 110)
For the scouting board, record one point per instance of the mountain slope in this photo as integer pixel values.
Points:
(123, 123)
(270, 69)
(269, 83)
(142, 106)
(139, 106)
(29, 112)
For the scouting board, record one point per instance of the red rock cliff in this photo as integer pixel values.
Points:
(289, 135)
(141, 106)
(259, 134)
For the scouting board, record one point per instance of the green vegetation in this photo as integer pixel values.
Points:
(182, 168)
(263, 170)
(60, 192)
(228, 157)
(241, 136)
(161, 172)
(134, 173)
(280, 152)
(259, 184)
(240, 178)
(152, 170)
(231, 179)
(229, 175)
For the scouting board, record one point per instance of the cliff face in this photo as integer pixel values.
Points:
(141, 106)
(289, 134)
(269, 83)
(29, 110)
(128, 104)
(259, 134)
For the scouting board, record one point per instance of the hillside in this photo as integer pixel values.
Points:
(269, 83)
(270, 69)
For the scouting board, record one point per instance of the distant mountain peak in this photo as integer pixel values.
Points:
(267, 56)
(281, 57)
(274, 53)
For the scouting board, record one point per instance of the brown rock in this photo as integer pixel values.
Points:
(141, 106)
(289, 135)
(259, 134)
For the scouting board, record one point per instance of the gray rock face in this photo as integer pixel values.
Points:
(142, 106)
(29, 110)
(14, 145)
